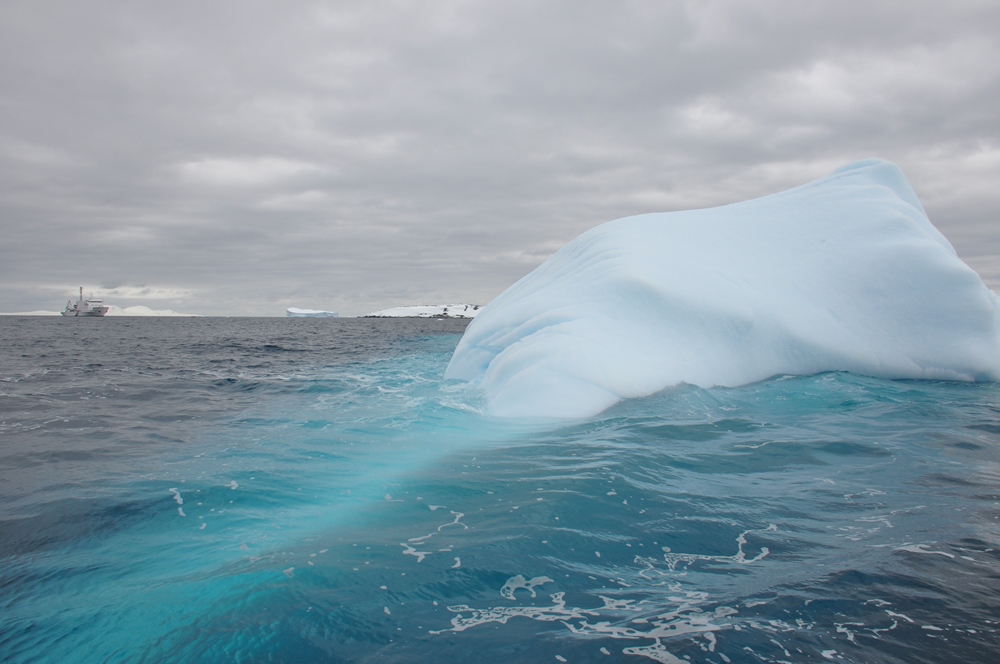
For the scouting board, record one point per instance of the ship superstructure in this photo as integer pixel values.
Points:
(88, 307)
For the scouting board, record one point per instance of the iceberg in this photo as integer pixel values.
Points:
(845, 273)
(292, 312)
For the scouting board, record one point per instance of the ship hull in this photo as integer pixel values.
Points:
(94, 313)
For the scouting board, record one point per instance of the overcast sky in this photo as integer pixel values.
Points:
(243, 157)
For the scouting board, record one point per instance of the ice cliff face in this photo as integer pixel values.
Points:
(842, 274)
(293, 312)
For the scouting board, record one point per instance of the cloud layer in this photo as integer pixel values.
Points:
(242, 157)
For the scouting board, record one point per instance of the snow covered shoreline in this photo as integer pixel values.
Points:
(114, 310)
(429, 311)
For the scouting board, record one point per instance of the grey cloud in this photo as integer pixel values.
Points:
(355, 156)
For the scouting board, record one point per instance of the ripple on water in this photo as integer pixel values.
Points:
(313, 491)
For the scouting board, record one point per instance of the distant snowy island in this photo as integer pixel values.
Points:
(30, 313)
(142, 310)
(429, 311)
(292, 312)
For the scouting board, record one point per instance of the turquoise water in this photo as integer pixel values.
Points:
(258, 490)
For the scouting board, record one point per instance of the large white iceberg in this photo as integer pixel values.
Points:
(293, 312)
(842, 274)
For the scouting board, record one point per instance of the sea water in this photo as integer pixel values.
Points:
(300, 490)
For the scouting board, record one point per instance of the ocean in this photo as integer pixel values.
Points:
(303, 490)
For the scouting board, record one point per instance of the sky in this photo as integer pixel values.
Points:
(241, 157)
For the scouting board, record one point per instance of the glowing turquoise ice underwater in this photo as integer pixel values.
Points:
(291, 490)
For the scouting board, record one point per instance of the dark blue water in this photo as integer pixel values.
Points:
(287, 490)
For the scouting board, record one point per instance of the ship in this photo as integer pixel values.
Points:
(89, 307)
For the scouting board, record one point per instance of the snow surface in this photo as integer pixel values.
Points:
(143, 310)
(292, 312)
(429, 311)
(31, 313)
(842, 274)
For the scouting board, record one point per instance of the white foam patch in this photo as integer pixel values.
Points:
(661, 611)
(177, 496)
(518, 582)
(656, 652)
(849, 629)
(674, 560)
(922, 548)
(893, 614)
(867, 492)
(687, 613)
(410, 550)
(687, 617)
(556, 612)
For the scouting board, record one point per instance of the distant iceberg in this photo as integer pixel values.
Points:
(292, 312)
(429, 311)
(842, 274)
